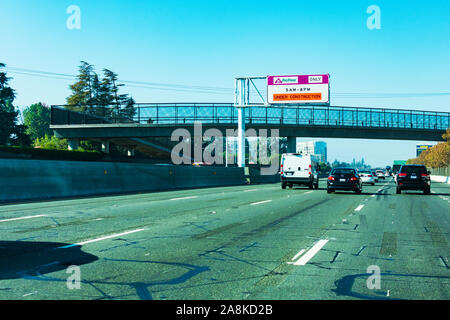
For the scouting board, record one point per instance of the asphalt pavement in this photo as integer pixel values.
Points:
(242, 242)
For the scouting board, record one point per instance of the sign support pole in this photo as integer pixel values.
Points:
(240, 102)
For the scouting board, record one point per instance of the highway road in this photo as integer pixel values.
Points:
(244, 242)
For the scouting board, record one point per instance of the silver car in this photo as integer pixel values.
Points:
(367, 177)
(374, 174)
(380, 174)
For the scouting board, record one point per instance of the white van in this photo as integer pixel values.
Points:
(299, 169)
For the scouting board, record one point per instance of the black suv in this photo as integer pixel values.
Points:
(413, 177)
(344, 179)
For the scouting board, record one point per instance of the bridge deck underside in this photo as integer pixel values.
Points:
(110, 131)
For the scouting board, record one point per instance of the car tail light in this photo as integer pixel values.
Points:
(353, 179)
(310, 166)
(331, 178)
(370, 176)
(402, 174)
(424, 174)
(309, 173)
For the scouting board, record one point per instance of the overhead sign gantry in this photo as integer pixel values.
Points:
(290, 89)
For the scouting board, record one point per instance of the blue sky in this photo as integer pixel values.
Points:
(209, 43)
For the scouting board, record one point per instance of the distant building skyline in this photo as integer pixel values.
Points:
(314, 147)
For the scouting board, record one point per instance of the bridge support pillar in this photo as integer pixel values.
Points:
(73, 144)
(291, 144)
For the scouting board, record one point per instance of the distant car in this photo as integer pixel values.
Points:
(367, 177)
(344, 179)
(380, 174)
(375, 177)
(413, 177)
(297, 169)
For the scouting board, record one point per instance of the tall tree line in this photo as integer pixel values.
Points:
(99, 96)
(11, 132)
(437, 156)
(88, 92)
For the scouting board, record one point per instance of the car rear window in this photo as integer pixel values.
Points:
(413, 169)
(343, 171)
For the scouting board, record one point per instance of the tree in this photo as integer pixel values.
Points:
(111, 95)
(10, 131)
(100, 97)
(437, 156)
(20, 136)
(82, 89)
(446, 136)
(51, 142)
(110, 82)
(129, 110)
(37, 121)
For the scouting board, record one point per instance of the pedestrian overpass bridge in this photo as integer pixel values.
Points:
(148, 127)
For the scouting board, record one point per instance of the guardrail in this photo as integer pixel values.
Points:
(226, 113)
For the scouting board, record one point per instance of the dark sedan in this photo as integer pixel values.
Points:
(344, 179)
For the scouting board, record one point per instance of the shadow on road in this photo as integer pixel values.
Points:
(306, 188)
(362, 193)
(409, 192)
(19, 258)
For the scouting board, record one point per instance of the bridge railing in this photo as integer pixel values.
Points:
(226, 113)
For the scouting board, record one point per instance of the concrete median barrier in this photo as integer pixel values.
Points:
(257, 178)
(23, 180)
(442, 179)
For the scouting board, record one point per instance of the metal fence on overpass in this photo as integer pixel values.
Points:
(226, 113)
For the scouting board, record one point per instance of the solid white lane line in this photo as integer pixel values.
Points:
(308, 192)
(184, 198)
(358, 208)
(261, 202)
(311, 253)
(102, 238)
(29, 294)
(298, 254)
(251, 190)
(23, 218)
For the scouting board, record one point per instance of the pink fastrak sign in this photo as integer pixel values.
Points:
(299, 89)
(298, 79)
